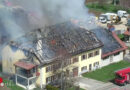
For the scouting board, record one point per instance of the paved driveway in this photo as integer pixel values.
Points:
(91, 84)
(115, 87)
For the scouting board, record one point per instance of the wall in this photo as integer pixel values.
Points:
(9, 57)
(78, 64)
(117, 58)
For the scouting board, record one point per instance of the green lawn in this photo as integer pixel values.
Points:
(106, 73)
(74, 89)
(11, 85)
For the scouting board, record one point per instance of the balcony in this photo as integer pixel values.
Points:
(26, 74)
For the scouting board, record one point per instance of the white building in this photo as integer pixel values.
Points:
(113, 49)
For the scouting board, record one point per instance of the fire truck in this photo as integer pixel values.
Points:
(122, 76)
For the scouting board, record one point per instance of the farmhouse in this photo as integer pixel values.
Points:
(38, 57)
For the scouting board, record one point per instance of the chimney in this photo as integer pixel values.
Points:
(39, 42)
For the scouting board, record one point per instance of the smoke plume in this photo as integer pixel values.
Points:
(41, 13)
(48, 12)
(18, 17)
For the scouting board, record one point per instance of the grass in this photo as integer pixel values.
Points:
(11, 85)
(74, 88)
(106, 7)
(106, 73)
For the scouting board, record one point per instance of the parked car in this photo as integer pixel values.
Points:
(109, 17)
(122, 13)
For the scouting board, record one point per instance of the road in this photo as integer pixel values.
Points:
(121, 26)
(91, 84)
(112, 86)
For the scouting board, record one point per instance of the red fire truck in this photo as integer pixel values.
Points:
(122, 76)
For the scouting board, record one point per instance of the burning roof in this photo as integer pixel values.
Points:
(112, 44)
(59, 39)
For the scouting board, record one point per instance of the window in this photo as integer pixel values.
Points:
(83, 57)
(96, 53)
(54, 77)
(76, 59)
(84, 68)
(90, 55)
(116, 54)
(96, 64)
(105, 58)
(48, 79)
(48, 68)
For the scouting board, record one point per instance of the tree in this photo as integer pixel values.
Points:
(61, 68)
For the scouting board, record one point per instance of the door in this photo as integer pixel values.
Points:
(90, 67)
(111, 59)
(75, 71)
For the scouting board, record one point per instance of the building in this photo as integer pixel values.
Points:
(39, 57)
(113, 49)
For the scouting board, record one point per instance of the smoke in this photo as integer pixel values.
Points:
(18, 17)
(49, 12)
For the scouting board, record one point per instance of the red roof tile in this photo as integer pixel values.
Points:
(123, 46)
(24, 65)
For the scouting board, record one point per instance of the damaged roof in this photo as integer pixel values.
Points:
(59, 39)
(112, 44)
(24, 65)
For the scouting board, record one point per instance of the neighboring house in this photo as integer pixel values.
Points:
(36, 58)
(113, 49)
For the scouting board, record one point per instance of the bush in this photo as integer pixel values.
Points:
(106, 7)
(49, 87)
(121, 36)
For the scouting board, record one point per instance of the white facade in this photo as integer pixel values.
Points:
(112, 59)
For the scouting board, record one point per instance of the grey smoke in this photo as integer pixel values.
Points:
(25, 15)
(39, 13)
(50, 12)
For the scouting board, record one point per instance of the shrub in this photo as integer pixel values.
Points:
(106, 7)
(49, 87)
(121, 36)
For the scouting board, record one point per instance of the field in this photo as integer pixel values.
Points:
(106, 73)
